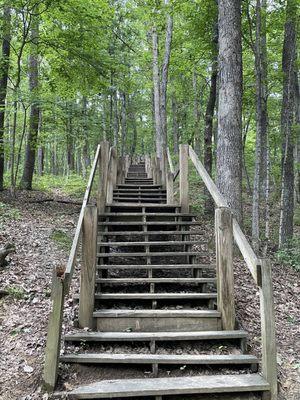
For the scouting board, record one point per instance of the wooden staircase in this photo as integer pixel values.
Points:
(148, 284)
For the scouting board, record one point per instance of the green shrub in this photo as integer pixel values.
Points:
(290, 253)
(71, 185)
(62, 239)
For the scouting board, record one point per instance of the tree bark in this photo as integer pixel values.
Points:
(175, 127)
(164, 77)
(229, 145)
(208, 133)
(156, 97)
(287, 119)
(4, 69)
(30, 152)
(259, 185)
(123, 123)
(297, 143)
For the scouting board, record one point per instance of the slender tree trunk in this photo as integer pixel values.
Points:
(30, 152)
(175, 127)
(156, 92)
(259, 186)
(164, 78)
(4, 69)
(116, 118)
(123, 123)
(85, 149)
(287, 119)
(196, 139)
(229, 145)
(297, 142)
(134, 128)
(208, 133)
(70, 139)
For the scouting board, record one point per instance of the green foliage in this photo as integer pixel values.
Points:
(71, 185)
(17, 292)
(61, 238)
(290, 253)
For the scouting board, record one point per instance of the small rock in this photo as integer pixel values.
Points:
(28, 368)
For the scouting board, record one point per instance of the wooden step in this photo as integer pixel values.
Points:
(130, 185)
(143, 233)
(155, 296)
(156, 336)
(141, 199)
(151, 254)
(205, 384)
(182, 359)
(154, 280)
(137, 205)
(160, 243)
(157, 266)
(141, 214)
(150, 223)
(149, 320)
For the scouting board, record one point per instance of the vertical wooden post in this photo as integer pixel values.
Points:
(183, 177)
(163, 168)
(170, 188)
(153, 167)
(224, 261)
(88, 268)
(112, 175)
(269, 353)
(54, 334)
(158, 171)
(103, 170)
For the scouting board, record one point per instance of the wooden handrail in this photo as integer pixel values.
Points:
(170, 162)
(252, 262)
(73, 253)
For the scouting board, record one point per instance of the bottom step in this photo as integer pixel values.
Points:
(171, 386)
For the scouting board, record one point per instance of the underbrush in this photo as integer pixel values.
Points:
(71, 185)
(7, 213)
(290, 253)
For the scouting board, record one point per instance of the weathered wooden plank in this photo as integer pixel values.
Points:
(157, 266)
(103, 171)
(171, 386)
(54, 334)
(148, 233)
(155, 280)
(170, 162)
(112, 174)
(88, 267)
(116, 313)
(170, 188)
(269, 353)
(154, 243)
(157, 336)
(131, 296)
(150, 223)
(151, 254)
(224, 263)
(184, 177)
(201, 359)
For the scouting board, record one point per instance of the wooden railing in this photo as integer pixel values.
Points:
(227, 230)
(111, 169)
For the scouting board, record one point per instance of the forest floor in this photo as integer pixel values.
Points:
(42, 234)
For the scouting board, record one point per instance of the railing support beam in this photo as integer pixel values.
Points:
(170, 188)
(269, 353)
(88, 267)
(103, 171)
(184, 177)
(52, 351)
(224, 261)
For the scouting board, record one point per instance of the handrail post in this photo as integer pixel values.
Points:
(103, 171)
(170, 188)
(269, 353)
(112, 175)
(52, 351)
(224, 262)
(183, 177)
(158, 171)
(153, 167)
(88, 267)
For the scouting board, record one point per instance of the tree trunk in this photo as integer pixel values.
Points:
(4, 68)
(208, 133)
(134, 128)
(30, 152)
(116, 118)
(229, 146)
(297, 143)
(196, 110)
(164, 78)
(259, 186)
(175, 127)
(287, 119)
(123, 123)
(156, 92)
(85, 149)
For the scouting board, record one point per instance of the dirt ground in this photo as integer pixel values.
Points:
(24, 309)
